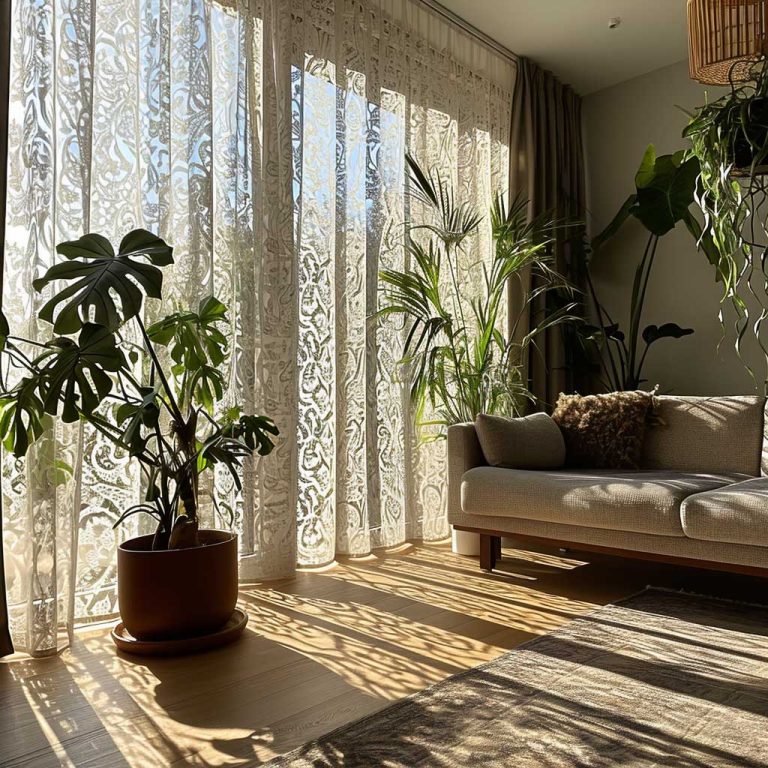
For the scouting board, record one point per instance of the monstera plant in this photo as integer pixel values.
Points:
(664, 193)
(155, 392)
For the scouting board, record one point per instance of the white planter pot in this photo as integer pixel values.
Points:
(465, 543)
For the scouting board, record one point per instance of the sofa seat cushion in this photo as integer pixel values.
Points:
(619, 500)
(734, 514)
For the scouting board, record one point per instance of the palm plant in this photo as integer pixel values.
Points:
(169, 417)
(458, 357)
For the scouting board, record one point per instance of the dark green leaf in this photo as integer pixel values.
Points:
(22, 417)
(97, 273)
(614, 332)
(140, 242)
(5, 330)
(196, 344)
(78, 373)
(207, 383)
(255, 431)
(143, 414)
(665, 192)
(626, 210)
(653, 333)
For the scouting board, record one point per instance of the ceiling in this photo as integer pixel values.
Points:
(572, 37)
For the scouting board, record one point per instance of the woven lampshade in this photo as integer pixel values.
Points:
(724, 38)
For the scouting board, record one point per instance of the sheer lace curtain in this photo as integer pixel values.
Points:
(265, 140)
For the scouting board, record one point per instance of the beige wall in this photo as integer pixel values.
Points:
(619, 123)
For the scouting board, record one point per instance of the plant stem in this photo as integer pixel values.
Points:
(175, 410)
(457, 306)
(642, 275)
(601, 320)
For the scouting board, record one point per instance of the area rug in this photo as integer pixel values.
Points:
(660, 679)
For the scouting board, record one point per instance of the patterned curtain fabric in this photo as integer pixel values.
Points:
(265, 140)
(547, 167)
(6, 646)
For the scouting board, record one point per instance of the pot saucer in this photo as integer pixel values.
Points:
(226, 634)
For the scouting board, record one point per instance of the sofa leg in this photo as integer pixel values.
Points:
(489, 551)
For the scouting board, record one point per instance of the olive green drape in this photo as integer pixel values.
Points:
(546, 165)
(6, 647)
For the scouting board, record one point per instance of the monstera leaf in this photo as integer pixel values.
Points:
(256, 432)
(238, 439)
(98, 274)
(78, 372)
(145, 413)
(653, 333)
(207, 384)
(193, 338)
(22, 417)
(197, 348)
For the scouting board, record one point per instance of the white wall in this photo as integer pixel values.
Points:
(619, 123)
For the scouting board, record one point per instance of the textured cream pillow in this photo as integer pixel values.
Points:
(528, 442)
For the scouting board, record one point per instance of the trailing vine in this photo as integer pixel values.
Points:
(729, 137)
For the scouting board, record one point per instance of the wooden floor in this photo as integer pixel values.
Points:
(320, 650)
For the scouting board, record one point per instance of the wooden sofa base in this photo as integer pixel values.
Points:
(490, 552)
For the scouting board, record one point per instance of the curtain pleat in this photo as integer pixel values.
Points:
(371, 81)
(547, 167)
(265, 141)
(6, 646)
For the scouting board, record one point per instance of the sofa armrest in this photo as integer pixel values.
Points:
(464, 453)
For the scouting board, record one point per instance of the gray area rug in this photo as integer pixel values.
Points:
(660, 679)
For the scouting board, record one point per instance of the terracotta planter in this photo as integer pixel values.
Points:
(177, 593)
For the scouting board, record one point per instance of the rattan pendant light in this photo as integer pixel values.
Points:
(725, 37)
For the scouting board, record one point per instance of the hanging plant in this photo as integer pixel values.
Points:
(729, 138)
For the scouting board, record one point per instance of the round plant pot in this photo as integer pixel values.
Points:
(754, 131)
(177, 593)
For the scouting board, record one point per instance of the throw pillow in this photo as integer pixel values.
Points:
(604, 431)
(528, 442)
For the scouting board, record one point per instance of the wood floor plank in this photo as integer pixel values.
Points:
(320, 650)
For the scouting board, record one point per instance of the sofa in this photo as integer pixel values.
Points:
(699, 498)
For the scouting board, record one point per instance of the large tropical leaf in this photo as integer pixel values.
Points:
(653, 333)
(22, 417)
(666, 188)
(99, 274)
(255, 431)
(193, 337)
(197, 348)
(629, 208)
(142, 414)
(77, 374)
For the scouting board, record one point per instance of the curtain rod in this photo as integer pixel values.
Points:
(471, 29)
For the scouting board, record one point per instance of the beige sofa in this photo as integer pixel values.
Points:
(700, 498)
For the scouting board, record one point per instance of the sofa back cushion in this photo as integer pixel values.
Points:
(528, 442)
(705, 434)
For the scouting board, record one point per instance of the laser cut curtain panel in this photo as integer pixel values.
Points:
(265, 141)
